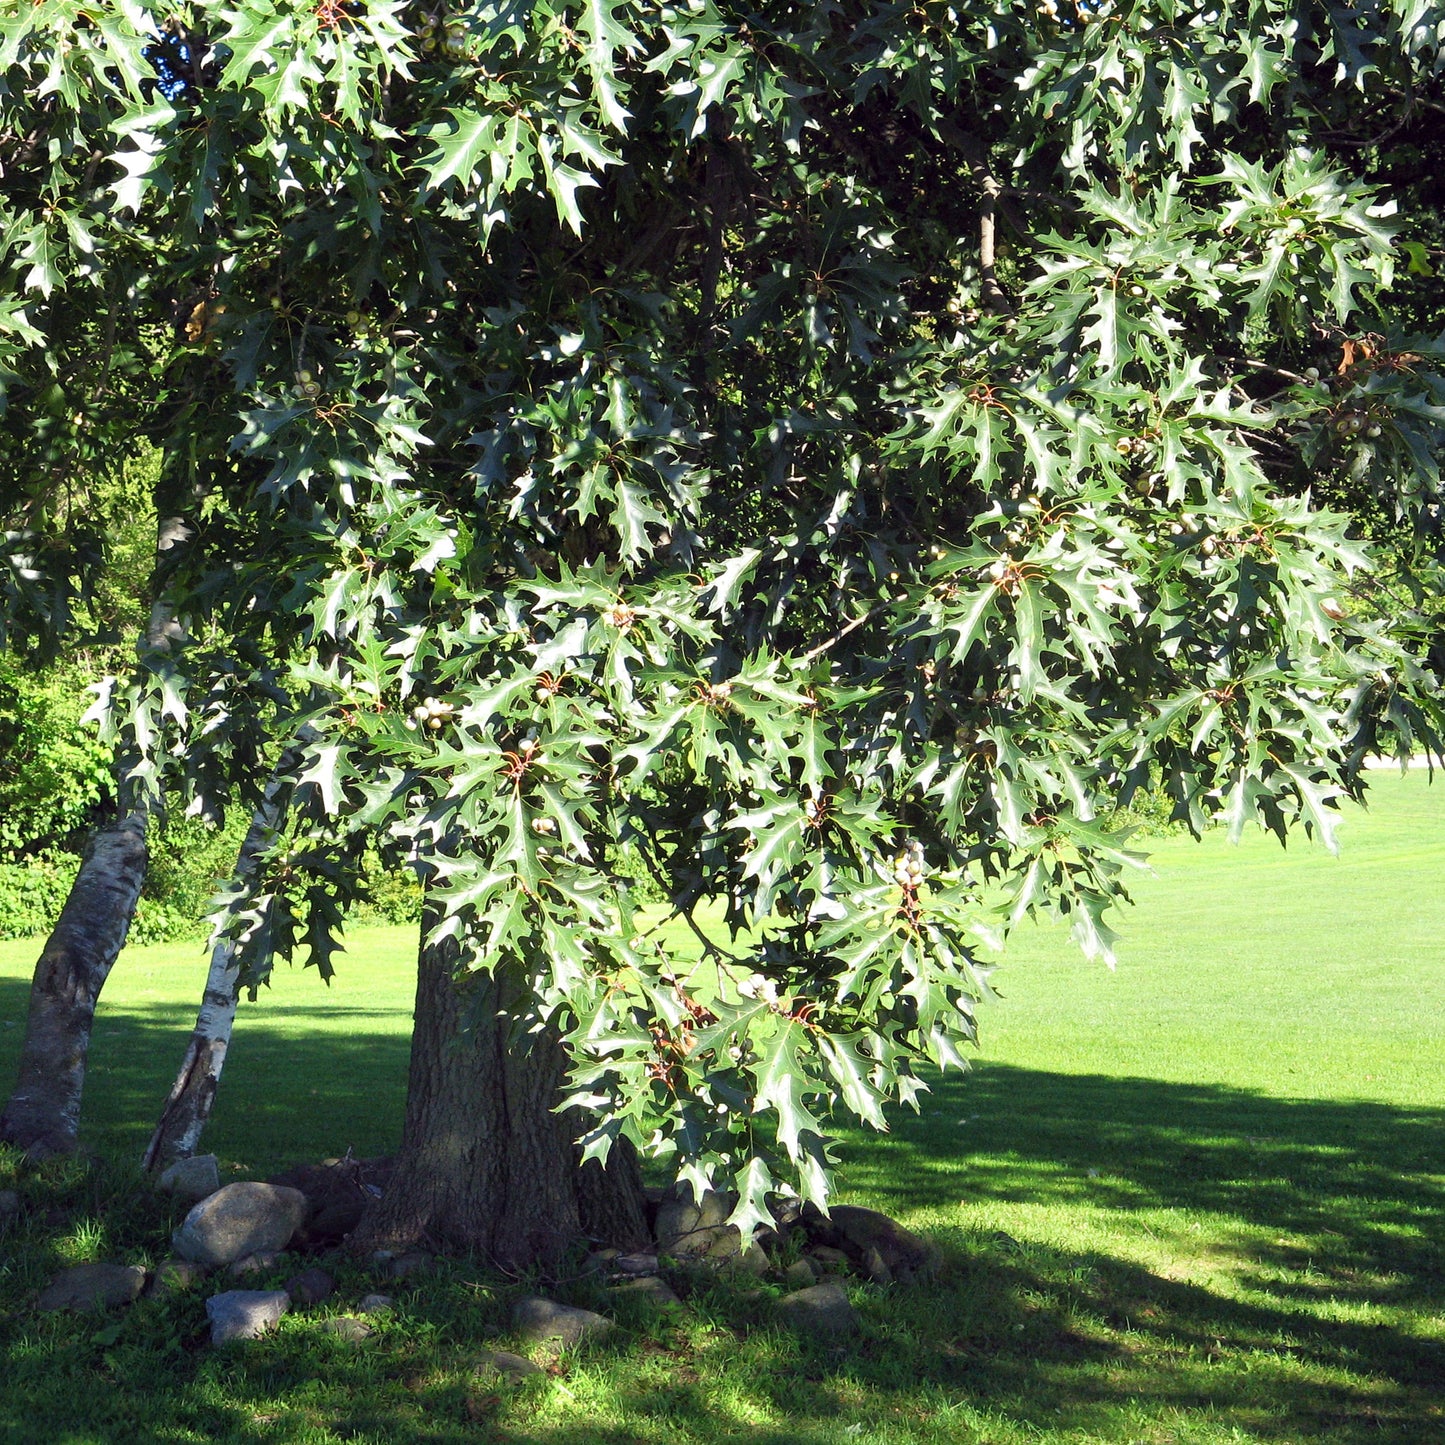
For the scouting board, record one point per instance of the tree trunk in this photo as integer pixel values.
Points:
(43, 1114)
(188, 1106)
(485, 1164)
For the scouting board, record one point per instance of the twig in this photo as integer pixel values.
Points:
(1273, 370)
(683, 909)
(991, 294)
(838, 636)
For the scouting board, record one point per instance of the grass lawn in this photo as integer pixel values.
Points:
(1198, 1199)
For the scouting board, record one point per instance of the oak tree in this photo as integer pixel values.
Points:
(819, 459)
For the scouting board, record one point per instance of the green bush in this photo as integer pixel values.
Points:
(33, 892)
(55, 777)
(394, 895)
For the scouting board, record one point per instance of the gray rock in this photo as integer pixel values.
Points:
(245, 1314)
(93, 1287)
(876, 1267)
(828, 1257)
(635, 1265)
(262, 1260)
(174, 1275)
(900, 1250)
(512, 1368)
(195, 1178)
(753, 1260)
(310, 1287)
(238, 1220)
(648, 1287)
(821, 1309)
(9, 1208)
(538, 1319)
(801, 1274)
(685, 1228)
(345, 1327)
(414, 1262)
(376, 1304)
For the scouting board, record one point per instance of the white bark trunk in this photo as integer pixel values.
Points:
(188, 1106)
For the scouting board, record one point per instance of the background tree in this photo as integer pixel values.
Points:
(823, 455)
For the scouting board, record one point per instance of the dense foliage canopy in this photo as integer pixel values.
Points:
(817, 456)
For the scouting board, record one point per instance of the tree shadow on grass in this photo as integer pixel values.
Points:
(1328, 1212)
(1350, 1191)
(301, 1082)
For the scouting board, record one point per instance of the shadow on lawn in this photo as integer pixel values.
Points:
(302, 1082)
(1350, 1189)
(1315, 1200)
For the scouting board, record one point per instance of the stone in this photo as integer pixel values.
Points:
(414, 1262)
(262, 1260)
(828, 1257)
(801, 1273)
(822, 1310)
(238, 1220)
(345, 1327)
(93, 1287)
(720, 1244)
(688, 1229)
(512, 1368)
(876, 1267)
(376, 1304)
(339, 1191)
(753, 1260)
(174, 1275)
(858, 1230)
(310, 1287)
(537, 1319)
(650, 1288)
(245, 1314)
(635, 1265)
(9, 1208)
(195, 1178)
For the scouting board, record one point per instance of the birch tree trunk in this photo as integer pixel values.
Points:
(188, 1106)
(43, 1114)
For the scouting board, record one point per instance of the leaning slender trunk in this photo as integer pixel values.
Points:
(486, 1165)
(43, 1114)
(188, 1106)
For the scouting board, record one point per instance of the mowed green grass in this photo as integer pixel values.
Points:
(1200, 1198)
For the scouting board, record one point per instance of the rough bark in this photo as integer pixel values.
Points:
(188, 1106)
(485, 1164)
(43, 1114)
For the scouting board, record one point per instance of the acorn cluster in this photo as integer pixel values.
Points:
(432, 715)
(908, 865)
(444, 33)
